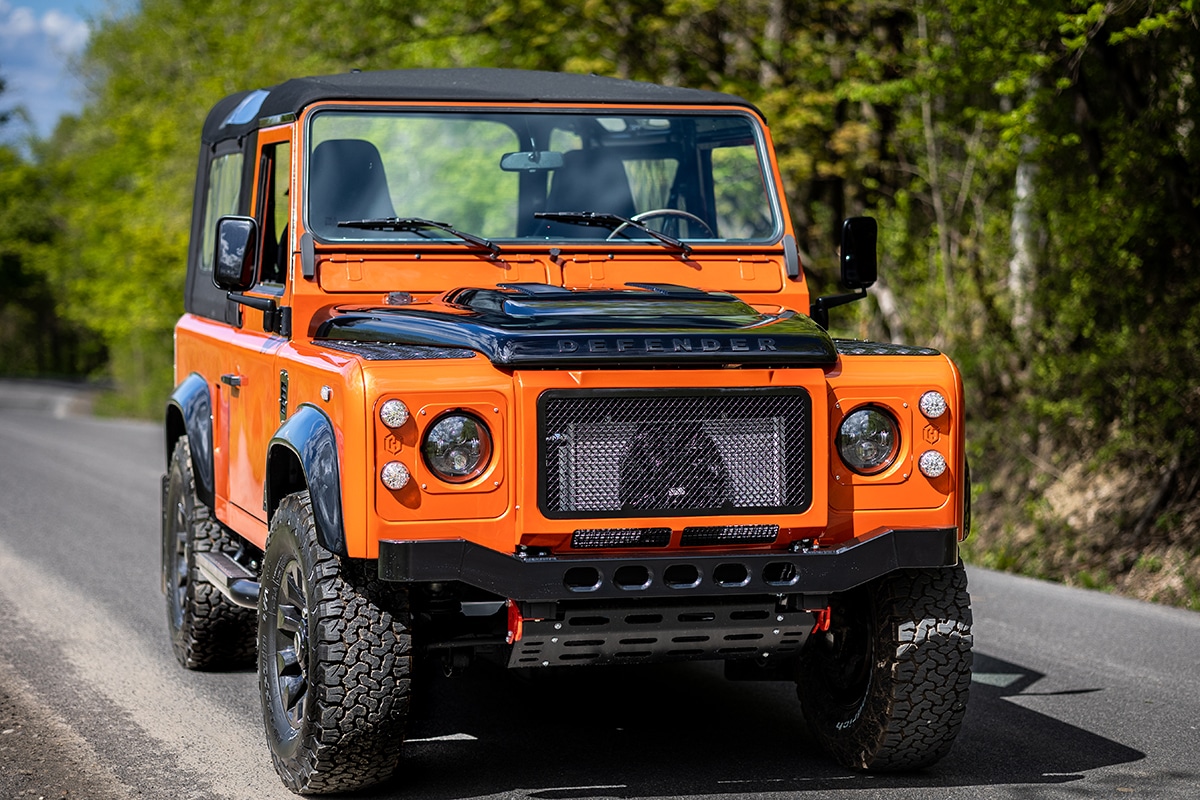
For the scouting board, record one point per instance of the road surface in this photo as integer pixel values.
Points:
(1076, 694)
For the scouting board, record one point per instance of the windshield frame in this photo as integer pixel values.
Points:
(767, 173)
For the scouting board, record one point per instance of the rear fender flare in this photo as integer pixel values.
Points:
(189, 411)
(303, 454)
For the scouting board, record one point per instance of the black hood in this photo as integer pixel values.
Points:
(533, 324)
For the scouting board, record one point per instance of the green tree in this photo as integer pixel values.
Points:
(34, 339)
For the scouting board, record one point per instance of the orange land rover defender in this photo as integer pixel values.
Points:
(518, 366)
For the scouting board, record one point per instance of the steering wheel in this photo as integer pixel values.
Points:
(654, 213)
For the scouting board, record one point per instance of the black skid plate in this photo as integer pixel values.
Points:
(626, 634)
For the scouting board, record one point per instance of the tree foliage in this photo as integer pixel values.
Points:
(1035, 169)
(35, 340)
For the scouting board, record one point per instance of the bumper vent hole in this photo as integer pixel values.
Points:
(780, 573)
(582, 579)
(731, 575)
(681, 576)
(632, 577)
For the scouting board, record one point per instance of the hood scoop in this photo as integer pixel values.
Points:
(540, 325)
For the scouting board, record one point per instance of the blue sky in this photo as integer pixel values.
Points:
(38, 39)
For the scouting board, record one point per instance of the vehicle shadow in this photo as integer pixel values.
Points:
(684, 730)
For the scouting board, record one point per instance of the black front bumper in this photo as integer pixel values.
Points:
(679, 574)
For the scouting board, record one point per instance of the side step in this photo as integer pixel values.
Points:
(233, 580)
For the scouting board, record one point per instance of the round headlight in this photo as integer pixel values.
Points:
(457, 447)
(868, 440)
(393, 413)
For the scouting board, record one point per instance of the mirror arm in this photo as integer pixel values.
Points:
(275, 319)
(819, 312)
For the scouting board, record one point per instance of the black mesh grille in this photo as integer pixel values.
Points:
(729, 534)
(637, 453)
(621, 537)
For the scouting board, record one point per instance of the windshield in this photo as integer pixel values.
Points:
(538, 177)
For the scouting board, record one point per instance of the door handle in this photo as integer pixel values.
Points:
(231, 379)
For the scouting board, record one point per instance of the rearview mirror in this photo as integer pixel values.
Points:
(535, 160)
(237, 253)
(859, 265)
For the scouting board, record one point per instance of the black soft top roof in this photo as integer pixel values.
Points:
(467, 85)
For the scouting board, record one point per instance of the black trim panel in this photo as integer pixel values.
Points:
(716, 575)
(850, 347)
(191, 398)
(308, 434)
(647, 326)
(386, 351)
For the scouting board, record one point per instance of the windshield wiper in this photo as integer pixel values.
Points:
(413, 224)
(614, 222)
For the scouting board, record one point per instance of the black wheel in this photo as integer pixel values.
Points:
(208, 632)
(886, 688)
(334, 660)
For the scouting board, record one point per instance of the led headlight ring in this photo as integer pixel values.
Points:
(457, 447)
(868, 440)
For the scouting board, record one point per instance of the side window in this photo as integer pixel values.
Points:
(224, 192)
(272, 212)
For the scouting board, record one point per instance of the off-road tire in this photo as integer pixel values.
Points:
(886, 688)
(208, 632)
(334, 660)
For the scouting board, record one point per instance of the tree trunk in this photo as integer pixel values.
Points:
(1022, 267)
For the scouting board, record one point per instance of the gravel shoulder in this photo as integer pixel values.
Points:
(41, 757)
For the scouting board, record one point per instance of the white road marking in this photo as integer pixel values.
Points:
(114, 660)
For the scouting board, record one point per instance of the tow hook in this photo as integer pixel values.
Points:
(824, 618)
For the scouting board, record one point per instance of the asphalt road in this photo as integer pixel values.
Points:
(1076, 694)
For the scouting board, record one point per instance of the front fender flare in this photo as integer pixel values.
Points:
(309, 439)
(191, 405)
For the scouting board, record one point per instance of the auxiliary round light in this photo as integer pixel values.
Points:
(868, 440)
(932, 464)
(457, 447)
(933, 405)
(394, 475)
(394, 413)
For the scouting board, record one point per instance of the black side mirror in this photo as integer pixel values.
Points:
(237, 253)
(860, 267)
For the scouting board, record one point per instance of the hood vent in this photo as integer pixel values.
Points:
(539, 325)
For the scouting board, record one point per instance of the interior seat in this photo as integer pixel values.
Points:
(346, 181)
(588, 180)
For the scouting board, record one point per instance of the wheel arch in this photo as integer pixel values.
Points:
(303, 454)
(189, 412)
